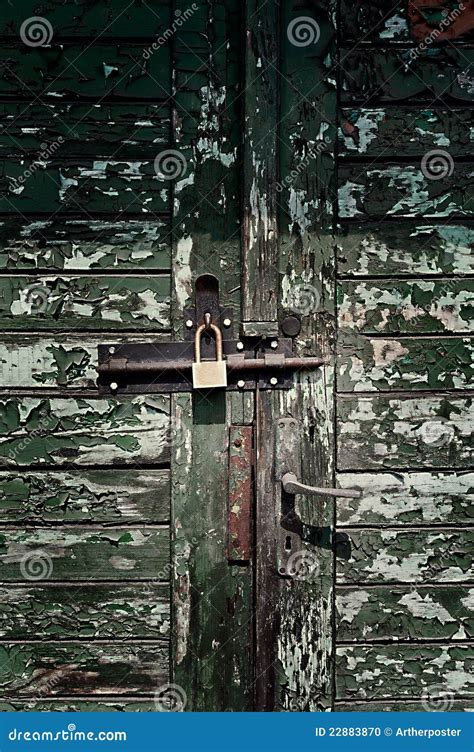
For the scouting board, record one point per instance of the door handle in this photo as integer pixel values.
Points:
(291, 485)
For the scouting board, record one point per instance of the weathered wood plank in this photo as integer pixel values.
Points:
(104, 612)
(212, 600)
(377, 433)
(403, 671)
(68, 360)
(439, 74)
(407, 498)
(392, 306)
(260, 231)
(392, 248)
(389, 613)
(404, 706)
(35, 431)
(390, 22)
(399, 190)
(77, 705)
(100, 186)
(84, 244)
(121, 496)
(404, 364)
(207, 135)
(111, 18)
(76, 669)
(73, 71)
(407, 556)
(85, 302)
(389, 132)
(76, 554)
(41, 131)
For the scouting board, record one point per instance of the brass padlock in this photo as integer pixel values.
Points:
(210, 373)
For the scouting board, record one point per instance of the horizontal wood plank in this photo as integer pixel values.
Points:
(110, 18)
(389, 22)
(407, 499)
(415, 432)
(393, 132)
(368, 364)
(96, 71)
(67, 431)
(391, 248)
(415, 613)
(404, 706)
(41, 131)
(118, 496)
(85, 302)
(373, 673)
(84, 244)
(391, 75)
(78, 705)
(103, 612)
(96, 186)
(39, 671)
(84, 554)
(392, 306)
(421, 556)
(397, 190)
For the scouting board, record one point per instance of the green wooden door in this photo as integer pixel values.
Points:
(146, 144)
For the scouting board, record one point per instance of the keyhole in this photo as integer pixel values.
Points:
(288, 543)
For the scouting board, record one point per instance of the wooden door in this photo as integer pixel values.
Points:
(282, 148)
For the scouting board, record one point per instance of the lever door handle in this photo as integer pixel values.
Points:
(292, 485)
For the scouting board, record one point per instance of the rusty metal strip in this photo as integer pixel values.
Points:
(240, 497)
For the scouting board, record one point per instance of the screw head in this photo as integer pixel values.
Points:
(241, 383)
(274, 344)
(189, 324)
(226, 323)
(113, 386)
(273, 381)
(237, 443)
(240, 345)
(111, 350)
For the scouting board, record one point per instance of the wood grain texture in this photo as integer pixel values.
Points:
(118, 496)
(37, 671)
(405, 706)
(375, 673)
(85, 302)
(87, 554)
(78, 705)
(85, 612)
(401, 613)
(407, 499)
(407, 556)
(382, 432)
(368, 364)
(84, 244)
(390, 248)
(68, 431)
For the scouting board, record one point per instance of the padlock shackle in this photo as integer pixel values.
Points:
(197, 341)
